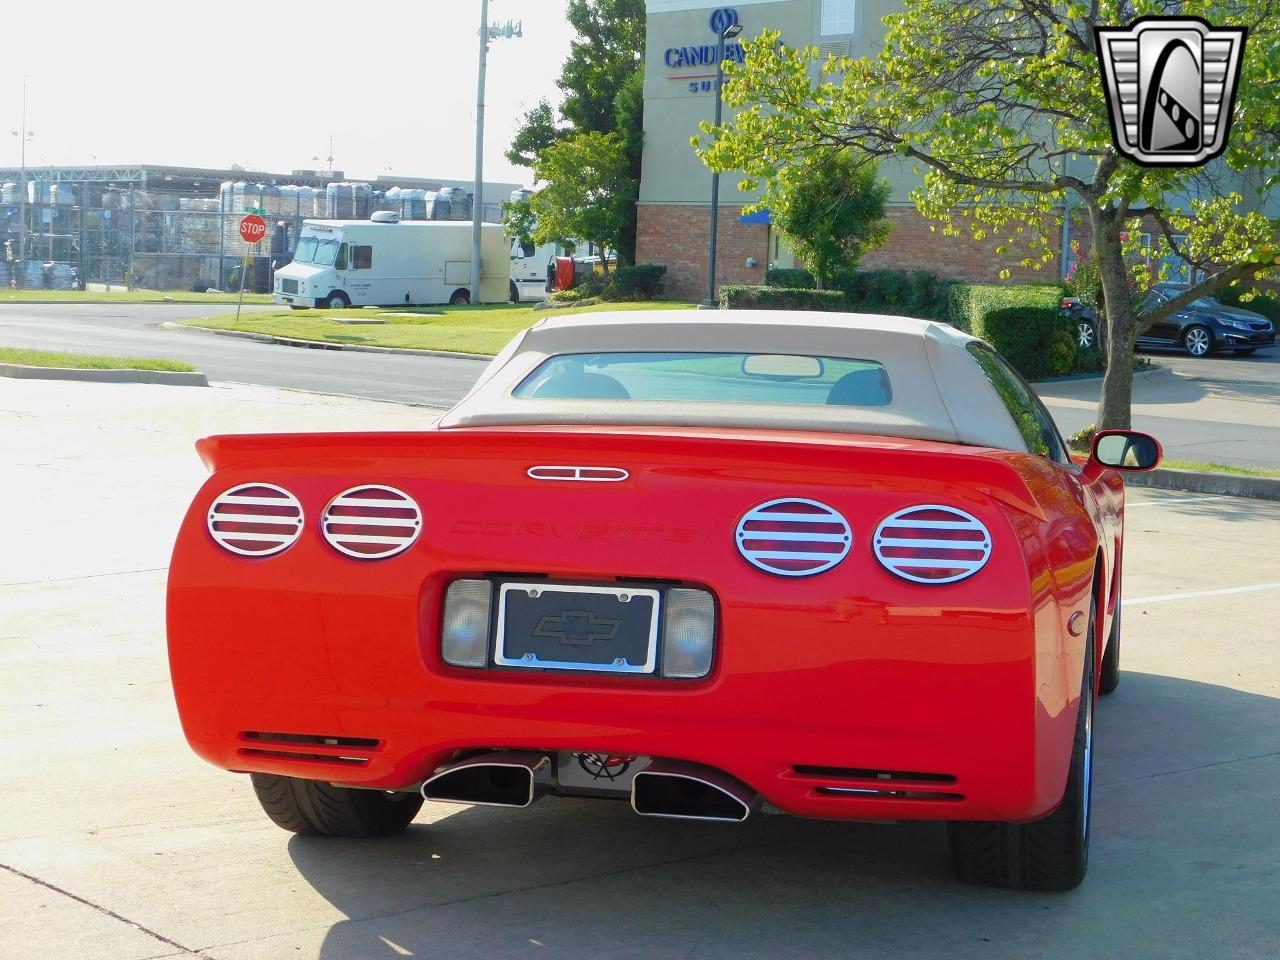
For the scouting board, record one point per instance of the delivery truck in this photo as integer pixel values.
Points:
(387, 262)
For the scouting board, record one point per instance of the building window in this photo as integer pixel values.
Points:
(837, 17)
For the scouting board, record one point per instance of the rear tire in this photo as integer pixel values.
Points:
(1086, 334)
(1109, 675)
(515, 292)
(312, 807)
(1050, 854)
(460, 298)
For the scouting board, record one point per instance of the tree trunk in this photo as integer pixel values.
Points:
(1114, 405)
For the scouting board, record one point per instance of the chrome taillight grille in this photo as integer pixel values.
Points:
(255, 519)
(793, 537)
(371, 522)
(932, 544)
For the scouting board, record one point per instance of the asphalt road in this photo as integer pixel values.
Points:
(117, 843)
(135, 330)
(1220, 409)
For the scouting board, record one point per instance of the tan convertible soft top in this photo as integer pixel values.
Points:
(939, 392)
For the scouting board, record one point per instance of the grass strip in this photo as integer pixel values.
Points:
(482, 330)
(85, 361)
(1198, 467)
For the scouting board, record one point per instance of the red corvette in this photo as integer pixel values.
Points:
(719, 564)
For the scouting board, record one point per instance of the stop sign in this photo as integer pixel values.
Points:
(253, 228)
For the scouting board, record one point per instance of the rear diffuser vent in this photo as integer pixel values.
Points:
(932, 544)
(371, 522)
(792, 537)
(293, 746)
(255, 519)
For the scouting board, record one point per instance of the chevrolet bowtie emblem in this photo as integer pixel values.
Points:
(576, 628)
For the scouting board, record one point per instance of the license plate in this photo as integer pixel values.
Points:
(568, 627)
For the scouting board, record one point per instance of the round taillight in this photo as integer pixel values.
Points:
(255, 519)
(932, 544)
(371, 522)
(793, 537)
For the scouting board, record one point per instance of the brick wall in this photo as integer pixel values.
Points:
(677, 235)
(911, 246)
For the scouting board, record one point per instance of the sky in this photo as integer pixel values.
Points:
(265, 84)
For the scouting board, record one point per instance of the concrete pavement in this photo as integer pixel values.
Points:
(116, 842)
(1206, 418)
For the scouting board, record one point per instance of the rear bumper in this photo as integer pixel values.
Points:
(804, 714)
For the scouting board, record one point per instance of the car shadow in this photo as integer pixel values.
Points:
(1182, 825)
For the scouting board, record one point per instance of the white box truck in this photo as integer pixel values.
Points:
(390, 262)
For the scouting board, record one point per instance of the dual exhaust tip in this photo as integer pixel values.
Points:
(666, 788)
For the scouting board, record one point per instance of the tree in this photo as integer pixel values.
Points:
(609, 47)
(587, 190)
(537, 131)
(830, 207)
(1001, 106)
(603, 85)
(628, 108)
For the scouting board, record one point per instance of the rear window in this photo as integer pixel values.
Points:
(711, 378)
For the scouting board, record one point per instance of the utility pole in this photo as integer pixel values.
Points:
(23, 135)
(487, 33)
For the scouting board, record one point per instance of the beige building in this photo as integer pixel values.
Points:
(675, 187)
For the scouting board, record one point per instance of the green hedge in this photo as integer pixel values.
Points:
(1268, 305)
(644, 281)
(793, 278)
(735, 297)
(914, 293)
(1022, 321)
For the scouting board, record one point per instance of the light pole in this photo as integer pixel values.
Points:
(728, 33)
(23, 136)
(487, 33)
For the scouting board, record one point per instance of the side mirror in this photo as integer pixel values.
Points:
(1126, 450)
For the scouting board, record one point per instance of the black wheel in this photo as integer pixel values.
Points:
(1198, 340)
(1048, 854)
(1247, 352)
(515, 292)
(311, 807)
(337, 301)
(1087, 335)
(460, 298)
(1109, 675)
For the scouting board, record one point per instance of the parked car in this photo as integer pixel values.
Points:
(1207, 326)
(836, 566)
(1089, 332)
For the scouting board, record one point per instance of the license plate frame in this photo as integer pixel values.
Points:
(567, 593)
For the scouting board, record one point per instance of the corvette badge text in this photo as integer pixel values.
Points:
(585, 531)
(1170, 85)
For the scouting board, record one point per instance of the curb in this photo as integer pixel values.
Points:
(1221, 484)
(173, 378)
(1077, 377)
(322, 345)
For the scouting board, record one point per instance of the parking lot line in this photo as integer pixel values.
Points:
(1161, 503)
(1140, 601)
